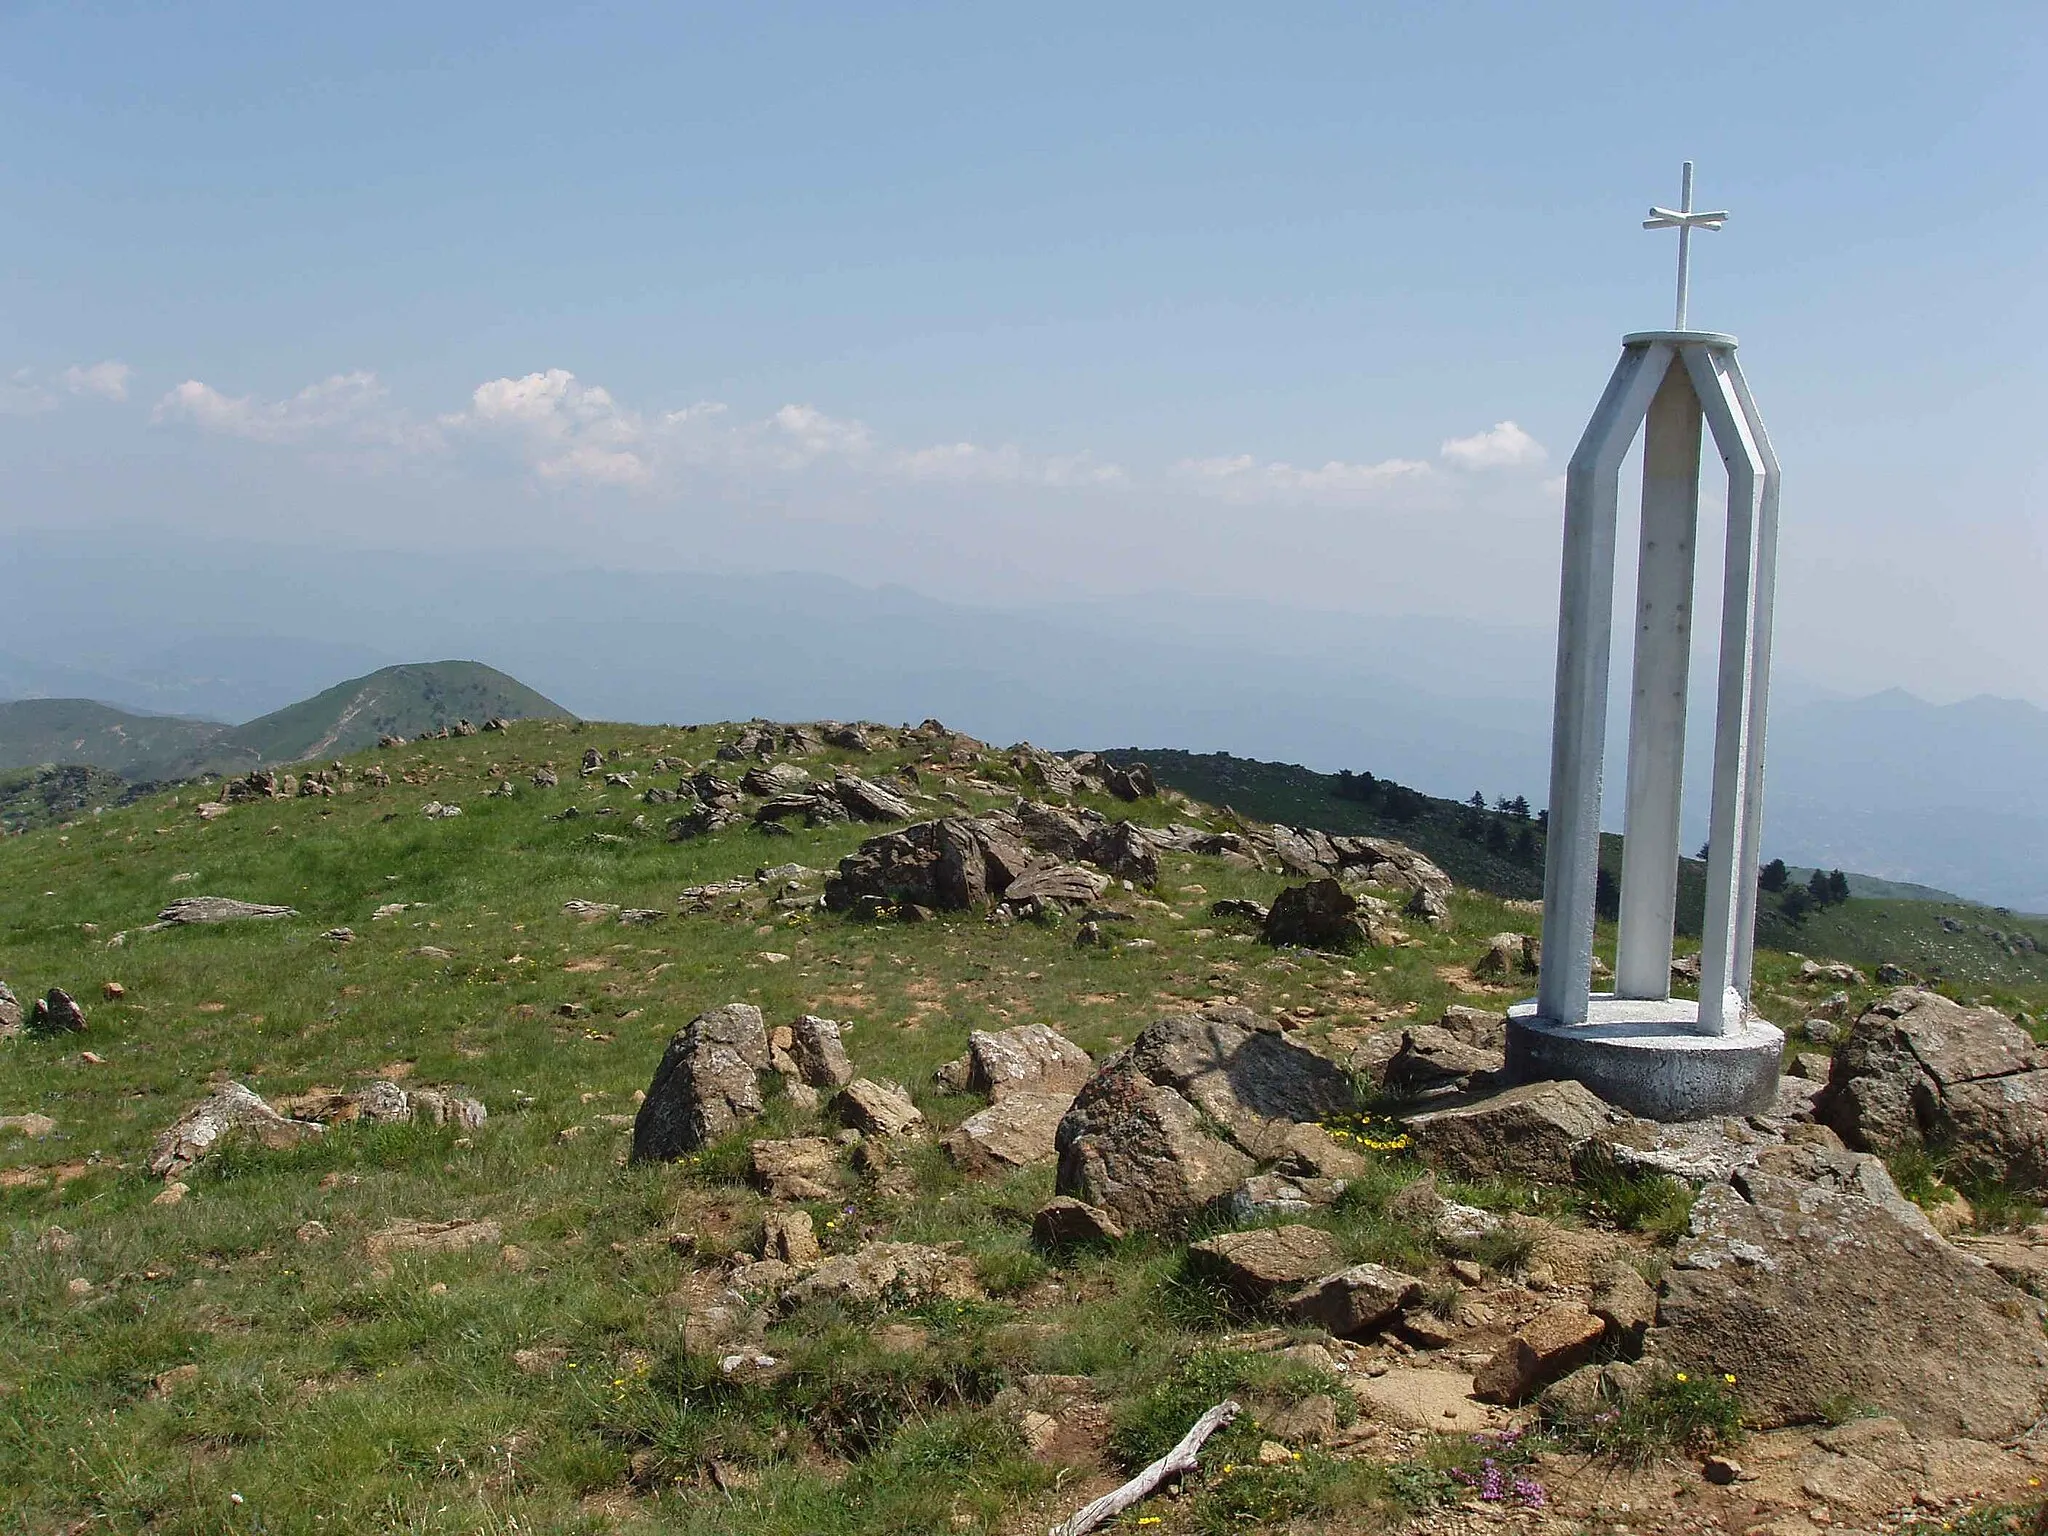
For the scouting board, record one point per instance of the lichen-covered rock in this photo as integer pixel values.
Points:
(1257, 1263)
(888, 1275)
(231, 1111)
(1353, 1301)
(1142, 1152)
(1810, 1279)
(10, 1012)
(707, 1085)
(1014, 1132)
(820, 1058)
(1029, 1058)
(879, 1109)
(1535, 1131)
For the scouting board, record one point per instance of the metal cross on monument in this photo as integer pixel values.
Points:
(1685, 221)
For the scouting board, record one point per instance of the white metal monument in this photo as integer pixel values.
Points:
(1638, 1046)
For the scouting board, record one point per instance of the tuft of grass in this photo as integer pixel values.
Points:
(1635, 1200)
(1680, 1413)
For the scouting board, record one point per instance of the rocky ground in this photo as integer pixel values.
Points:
(830, 1128)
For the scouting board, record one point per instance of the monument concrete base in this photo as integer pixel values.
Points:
(1648, 1057)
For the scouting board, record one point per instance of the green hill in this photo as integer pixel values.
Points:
(34, 732)
(416, 699)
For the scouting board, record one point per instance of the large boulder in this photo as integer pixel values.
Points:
(1183, 1115)
(707, 1086)
(1244, 1075)
(1918, 1070)
(1324, 915)
(1813, 1282)
(1142, 1152)
(10, 1012)
(231, 1112)
(1536, 1131)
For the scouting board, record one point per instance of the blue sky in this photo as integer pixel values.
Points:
(1007, 301)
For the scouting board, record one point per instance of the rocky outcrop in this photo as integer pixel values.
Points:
(1918, 1070)
(1026, 857)
(1809, 1279)
(1184, 1114)
(382, 1102)
(10, 1012)
(707, 1086)
(231, 1112)
(951, 864)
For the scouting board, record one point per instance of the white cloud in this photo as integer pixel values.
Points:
(1243, 478)
(25, 393)
(108, 380)
(1504, 445)
(346, 407)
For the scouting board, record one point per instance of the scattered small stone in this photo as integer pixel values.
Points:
(1064, 1222)
(878, 1109)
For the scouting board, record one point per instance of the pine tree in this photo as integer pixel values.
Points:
(1772, 877)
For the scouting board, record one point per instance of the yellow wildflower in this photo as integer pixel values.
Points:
(1683, 1378)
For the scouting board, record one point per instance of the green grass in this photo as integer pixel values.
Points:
(333, 1394)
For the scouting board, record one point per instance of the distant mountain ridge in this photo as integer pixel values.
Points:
(412, 699)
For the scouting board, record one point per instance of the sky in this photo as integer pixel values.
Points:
(1305, 304)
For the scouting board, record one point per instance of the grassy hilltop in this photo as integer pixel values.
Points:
(242, 1360)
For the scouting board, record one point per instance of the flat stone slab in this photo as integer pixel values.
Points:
(1648, 1057)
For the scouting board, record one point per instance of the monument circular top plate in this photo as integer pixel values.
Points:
(1677, 338)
